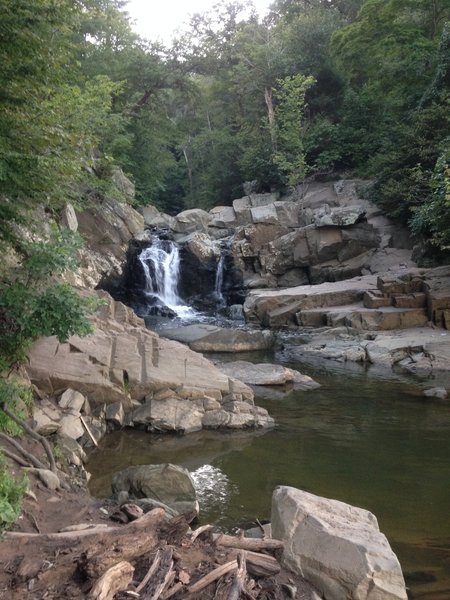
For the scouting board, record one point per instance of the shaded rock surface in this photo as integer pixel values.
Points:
(337, 547)
(107, 226)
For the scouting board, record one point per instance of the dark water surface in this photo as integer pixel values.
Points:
(372, 442)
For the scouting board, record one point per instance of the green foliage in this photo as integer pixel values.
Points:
(34, 302)
(432, 217)
(11, 494)
(289, 154)
(15, 397)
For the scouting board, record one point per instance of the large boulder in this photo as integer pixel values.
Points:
(194, 219)
(153, 218)
(335, 546)
(169, 484)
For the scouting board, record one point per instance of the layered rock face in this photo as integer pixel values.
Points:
(323, 232)
(398, 299)
(335, 546)
(160, 384)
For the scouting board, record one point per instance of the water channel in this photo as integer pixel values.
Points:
(374, 442)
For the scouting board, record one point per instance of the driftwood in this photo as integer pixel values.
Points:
(213, 576)
(243, 543)
(153, 568)
(262, 565)
(164, 577)
(199, 531)
(238, 586)
(122, 543)
(88, 431)
(116, 579)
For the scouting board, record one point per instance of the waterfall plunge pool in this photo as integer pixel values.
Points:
(375, 443)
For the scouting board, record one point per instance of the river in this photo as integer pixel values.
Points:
(373, 442)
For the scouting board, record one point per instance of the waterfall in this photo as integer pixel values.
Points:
(219, 282)
(161, 265)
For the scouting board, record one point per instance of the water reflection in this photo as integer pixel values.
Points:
(373, 443)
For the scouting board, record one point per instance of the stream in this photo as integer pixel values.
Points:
(373, 442)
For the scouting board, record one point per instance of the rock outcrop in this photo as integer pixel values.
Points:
(336, 547)
(125, 365)
(322, 232)
(107, 226)
(398, 299)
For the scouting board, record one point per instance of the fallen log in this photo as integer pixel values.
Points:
(124, 543)
(116, 579)
(150, 519)
(243, 543)
(262, 565)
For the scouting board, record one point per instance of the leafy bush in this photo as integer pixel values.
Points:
(33, 302)
(11, 495)
(14, 396)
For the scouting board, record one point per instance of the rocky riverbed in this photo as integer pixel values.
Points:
(321, 274)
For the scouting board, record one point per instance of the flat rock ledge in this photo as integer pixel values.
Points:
(336, 547)
(126, 375)
(210, 338)
(267, 374)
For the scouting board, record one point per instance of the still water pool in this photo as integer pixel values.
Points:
(375, 443)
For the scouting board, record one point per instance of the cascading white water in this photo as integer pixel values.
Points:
(161, 265)
(219, 282)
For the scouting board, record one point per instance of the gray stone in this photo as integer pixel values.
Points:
(169, 484)
(436, 392)
(123, 183)
(95, 364)
(287, 213)
(71, 450)
(194, 219)
(69, 217)
(48, 478)
(106, 226)
(337, 547)
(209, 338)
(202, 247)
(266, 374)
(171, 414)
(264, 214)
(72, 399)
(338, 216)
(71, 426)
(115, 414)
(46, 418)
(223, 217)
(153, 218)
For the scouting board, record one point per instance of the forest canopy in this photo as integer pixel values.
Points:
(318, 88)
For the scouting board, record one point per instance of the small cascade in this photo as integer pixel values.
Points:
(219, 282)
(161, 265)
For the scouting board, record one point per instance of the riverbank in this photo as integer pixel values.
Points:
(45, 555)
